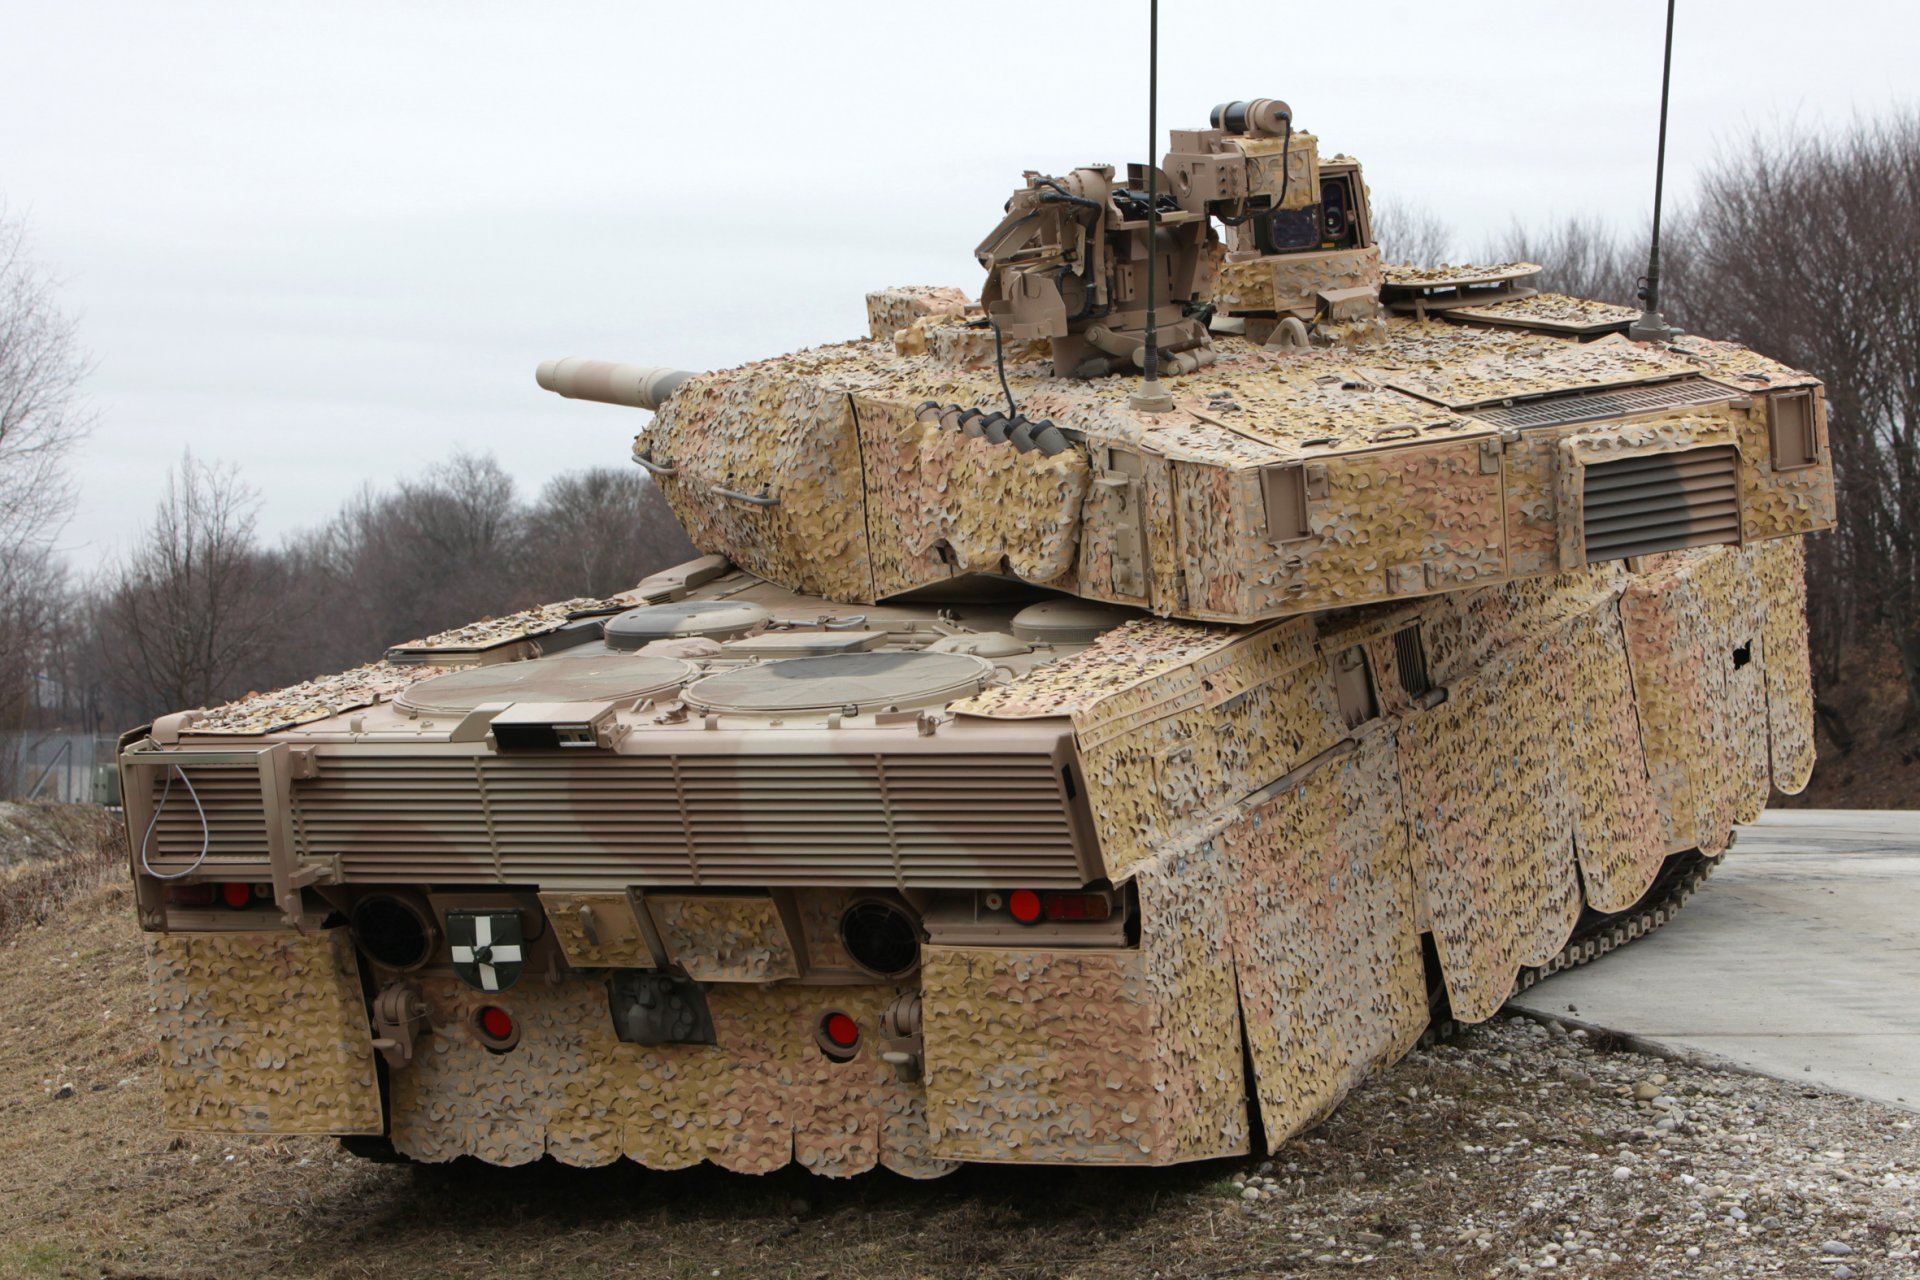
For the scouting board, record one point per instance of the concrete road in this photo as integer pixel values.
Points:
(1799, 958)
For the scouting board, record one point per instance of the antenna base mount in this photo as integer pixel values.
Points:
(1150, 397)
(1651, 326)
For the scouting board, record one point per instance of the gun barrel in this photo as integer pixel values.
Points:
(610, 382)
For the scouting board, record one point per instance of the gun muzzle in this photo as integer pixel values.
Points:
(610, 382)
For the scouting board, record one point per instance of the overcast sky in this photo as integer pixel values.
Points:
(329, 242)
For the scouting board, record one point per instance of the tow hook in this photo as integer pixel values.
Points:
(900, 1025)
(399, 1016)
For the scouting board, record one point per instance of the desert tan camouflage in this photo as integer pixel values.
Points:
(264, 1033)
(1062, 782)
(1394, 464)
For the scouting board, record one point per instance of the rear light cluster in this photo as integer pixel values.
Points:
(237, 894)
(496, 1028)
(838, 1036)
(1029, 906)
(1078, 906)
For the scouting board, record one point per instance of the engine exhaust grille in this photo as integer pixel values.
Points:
(596, 821)
(745, 820)
(235, 833)
(1662, 502)
(1613, 402)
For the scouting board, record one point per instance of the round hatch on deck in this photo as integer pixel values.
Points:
(867, 682)
(712, 619)
(1070, 621)
(615, 678)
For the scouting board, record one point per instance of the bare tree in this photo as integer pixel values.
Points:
(1808, 248)
(435, 552)
(1411, 233)
(41, 369)
(1580, 256)
(599, 531)
(195, 607)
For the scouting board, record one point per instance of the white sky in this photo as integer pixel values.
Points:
(329, 242)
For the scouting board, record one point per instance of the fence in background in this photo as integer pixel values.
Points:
(55, 765)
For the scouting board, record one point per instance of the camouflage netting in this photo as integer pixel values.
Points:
(816, 471)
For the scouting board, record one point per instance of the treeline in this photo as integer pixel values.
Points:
(41, 417)
(199, 610)
(1805, 248)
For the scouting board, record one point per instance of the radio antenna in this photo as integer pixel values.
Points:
(1652, 326)
(1152, 397)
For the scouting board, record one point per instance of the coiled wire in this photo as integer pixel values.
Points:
(206, 832)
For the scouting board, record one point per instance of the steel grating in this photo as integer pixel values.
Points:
(1614, 402)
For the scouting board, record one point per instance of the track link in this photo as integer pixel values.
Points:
(1595, 934)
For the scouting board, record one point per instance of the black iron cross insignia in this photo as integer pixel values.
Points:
(487, 952)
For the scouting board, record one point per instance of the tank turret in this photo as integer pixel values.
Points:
(1341, 434)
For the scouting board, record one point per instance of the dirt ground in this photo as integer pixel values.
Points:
(1517, 1149)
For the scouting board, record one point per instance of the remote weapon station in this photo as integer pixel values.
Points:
(1129, 704)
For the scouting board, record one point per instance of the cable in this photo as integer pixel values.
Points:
(206, 832)
(1000, 361)
(1286, 164)
(1065, 195)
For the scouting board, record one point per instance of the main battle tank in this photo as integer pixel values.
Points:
(1039, 765)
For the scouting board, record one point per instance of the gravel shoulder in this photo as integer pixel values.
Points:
(1517, 1149)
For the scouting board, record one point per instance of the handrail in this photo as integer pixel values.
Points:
(762, 499)
(656, 468)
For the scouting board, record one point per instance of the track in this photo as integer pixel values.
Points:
(1595, 934)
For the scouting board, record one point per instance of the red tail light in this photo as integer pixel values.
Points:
(236, 894)
(192, 895)
(1024, 905)
(496, 1027)
(841, 1031)
(1078, 906)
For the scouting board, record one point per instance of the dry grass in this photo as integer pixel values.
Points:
(49, 854)
(96, 1188)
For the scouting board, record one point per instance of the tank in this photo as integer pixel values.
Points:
(1040, 764)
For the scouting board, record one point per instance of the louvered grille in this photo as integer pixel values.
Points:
(1410, 657)
(236, 825)
(1616, 402)
(422, 815)
(1663, 502)
(738, 820)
